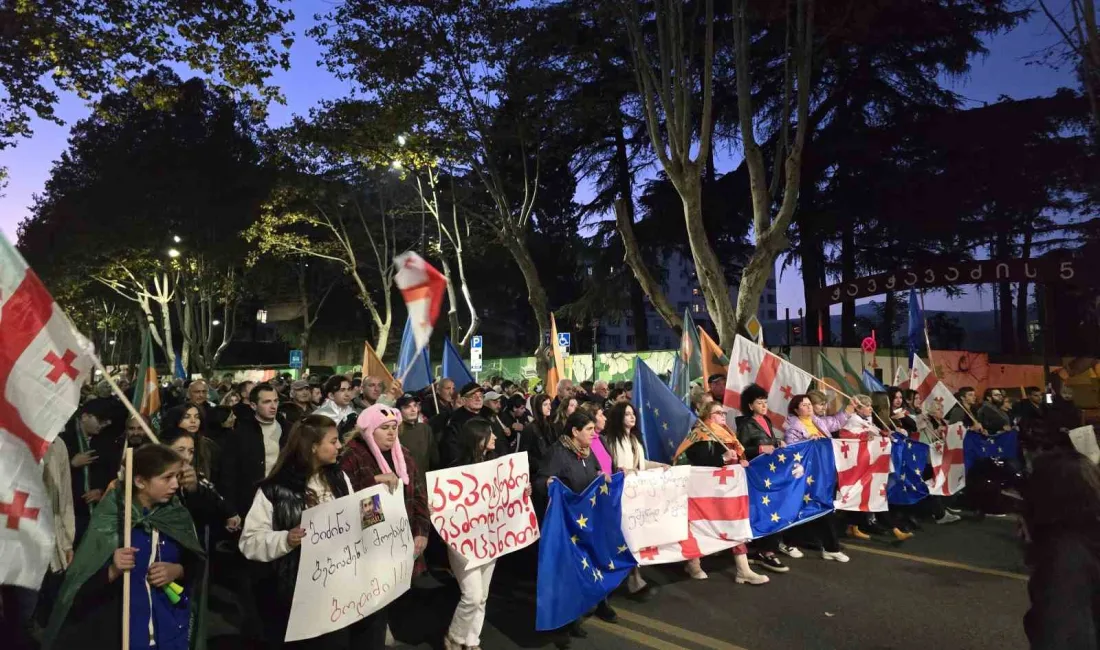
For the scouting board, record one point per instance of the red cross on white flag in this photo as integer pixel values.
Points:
(752, 364)
(422, 287)
(862, 469)
(946, 458)
(43, 362)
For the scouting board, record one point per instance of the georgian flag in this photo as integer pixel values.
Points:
(422, 287)
(752, 364)
(718, 516)
(43, 362)
(948, 467)
(862, 470)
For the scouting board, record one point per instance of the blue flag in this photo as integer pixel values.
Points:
(916, 326)
(180, 372)
(778, 500)
(663, 419)
(414, 370)
(871, 383)
(977, 447)
(583, 555)
(453, 367)
(906, 484)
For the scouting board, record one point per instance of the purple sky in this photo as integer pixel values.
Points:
(1003, 72)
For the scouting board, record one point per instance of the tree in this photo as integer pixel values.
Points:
(149, 203)
(1081, 44)
(452, 61)
(92, 47)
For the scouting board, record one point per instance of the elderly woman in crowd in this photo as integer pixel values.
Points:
(712, 444)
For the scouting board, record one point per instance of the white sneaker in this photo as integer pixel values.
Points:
(948, 518)
(790, 551)
(838, 556)
(954, 511)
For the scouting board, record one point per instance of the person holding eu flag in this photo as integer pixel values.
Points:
(756, 433)
(570, 461)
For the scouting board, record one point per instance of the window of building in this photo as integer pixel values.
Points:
(696, 308)
(629, 340)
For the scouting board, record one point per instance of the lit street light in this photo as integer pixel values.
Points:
(176, 238)
(216, 323)
(401, 140)
(173, 253)
(111, 342)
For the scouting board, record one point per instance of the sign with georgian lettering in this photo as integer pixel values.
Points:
(1040, 271)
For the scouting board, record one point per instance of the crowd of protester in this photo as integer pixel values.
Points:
(246, 458)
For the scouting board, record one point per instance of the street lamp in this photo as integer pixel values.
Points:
(111, 342)
(173, 253)
(396, 164)
(176, 238)
(401, 140)
(216, 323)
(261, 315)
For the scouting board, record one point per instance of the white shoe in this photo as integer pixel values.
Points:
(695, 571)
(790, 551)
(954, 511)
(751, 578)
(837, 556)
(948, 518)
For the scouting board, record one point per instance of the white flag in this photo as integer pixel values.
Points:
(43, 362)
(862, 470)
(752, 364)
(946, 458)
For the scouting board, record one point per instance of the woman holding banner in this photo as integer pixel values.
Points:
(570, 460)
(165, 561)
(712, 444)
(476, 443)
(305, 475)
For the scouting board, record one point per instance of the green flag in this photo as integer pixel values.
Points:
(688, 365)
(853, 376)
(831, 373)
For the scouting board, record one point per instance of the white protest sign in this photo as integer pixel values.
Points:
(1084, 440)
(655, 507)
(483, 511)
(357, 557)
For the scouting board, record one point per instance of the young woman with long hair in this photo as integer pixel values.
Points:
(163, 551)
(566, 407)
(306, 474)
(190, 418)
(207, 506)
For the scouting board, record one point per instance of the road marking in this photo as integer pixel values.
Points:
(678, 632)
(934, 562)
(633, 635)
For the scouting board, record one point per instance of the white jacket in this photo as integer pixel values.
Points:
(259, 541)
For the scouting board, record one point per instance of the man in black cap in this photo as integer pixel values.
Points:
(473, 400)
(301, 404)
(416, 435)
(716, 383)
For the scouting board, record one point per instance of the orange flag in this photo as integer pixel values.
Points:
(557, 369)
(714, 361)
(373, 366)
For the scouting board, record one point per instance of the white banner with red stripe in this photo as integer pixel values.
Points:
(717, 512)
(752, 364)
(43, 362)
(946, 458)
(655, 506)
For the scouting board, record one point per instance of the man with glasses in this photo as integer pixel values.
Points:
(992, 414)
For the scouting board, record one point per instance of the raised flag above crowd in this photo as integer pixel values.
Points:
(43, 362)
(752, 364)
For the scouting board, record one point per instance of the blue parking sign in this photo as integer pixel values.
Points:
(296, 359)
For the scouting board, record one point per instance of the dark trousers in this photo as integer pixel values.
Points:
(769, 544)
(824, 528)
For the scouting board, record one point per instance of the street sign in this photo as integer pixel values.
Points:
(475, 354)
(296, 359)
(564, 339)
(755, 329)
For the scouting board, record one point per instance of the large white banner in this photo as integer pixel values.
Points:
(1084, 440)
(483, 511)
(655, 507)
(357, 557)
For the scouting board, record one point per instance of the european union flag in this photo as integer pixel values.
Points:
(583, 555)
(871, 382)
(663, 419)
(453, 366)
(906, 484)
(414, 370)
(778, 500)
(1003, 446)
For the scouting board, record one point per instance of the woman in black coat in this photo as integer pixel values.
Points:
(571, 461)
(1062, 516)
(758, 436)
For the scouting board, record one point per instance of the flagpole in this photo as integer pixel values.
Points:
(932, 362)
(125, 400)
(128, 490)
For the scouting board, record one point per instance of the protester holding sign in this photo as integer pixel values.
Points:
(375, 456)
(165, 558)
(476, 444)
(305, 475)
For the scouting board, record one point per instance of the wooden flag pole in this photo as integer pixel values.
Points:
(932, 362)
(128, 490)
(125, 400)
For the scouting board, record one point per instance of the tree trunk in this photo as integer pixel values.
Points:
(536, 293)
(625, 180)
(811, 251)
(711, 273)
(652, 288)
(641, 323)
(848, 272)
(303, 305)
(1022, 316)
(1004, 292)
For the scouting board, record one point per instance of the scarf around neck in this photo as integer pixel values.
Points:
(572, 446)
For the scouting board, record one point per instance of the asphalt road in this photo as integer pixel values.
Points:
(956, 586)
